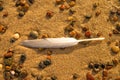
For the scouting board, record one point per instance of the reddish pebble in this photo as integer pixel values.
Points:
(89, 76)
(88, 34)
(62, 7)
(105, 73)
(110, 34)
(8, 55)
(49, 14)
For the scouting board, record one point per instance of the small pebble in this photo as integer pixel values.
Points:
(88, 34)
(73, 33)
(102, 66)
(99, 34)
(8, 61)
(23, 74)
(88, 16)
(31, 1)
(95, 5)
(115, 18)
(75, 76)
(5, 14)
(72, 3)
(34, 34)
(42, 65)
(118, 26)
(115, 31)
(12, 72)
(72, 11)
(16, 36)
(98, 13)
(89, 76)
(84, 28)
(25, 7)
(91, 65)
(1, 67)
(47, 62)
(62, 7)
(8, 55)
(7, 75)
(8, 68)
(22, 58)
(49, 14)
(105, 73)
(115, 62)
(44, 36)
(1, 8)
(118, 12)
(21, 13)
(110, 34)
(115, 49)
(113, 11)
(58, 1)
(70, 18)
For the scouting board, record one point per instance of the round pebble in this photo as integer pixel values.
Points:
(16, 36)
(34, 34)
(12, 72)
(21, 13)
(72, 3)
(47, 62)
(88, 34)
(42, 65)
(1, 66)
(8, 55)
(22, 58)
(115, 49)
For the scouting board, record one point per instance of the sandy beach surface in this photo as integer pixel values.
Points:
(65, 62)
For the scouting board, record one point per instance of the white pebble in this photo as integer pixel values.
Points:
(16, 36)
(12, 72)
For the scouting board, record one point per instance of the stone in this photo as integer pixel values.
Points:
(47, 62)
(21, 13)
(22, 58)
(8, 61)
(115, 49)
(31, 1)
(23, 74)
(88, 34)
(105, 73)
(89, 76)
(34, 34)
(42, 65)
(1, 8)
(16, 36)
(1, 67)
(75, 76)
(8, 55)
(72, 3)
(118, 27)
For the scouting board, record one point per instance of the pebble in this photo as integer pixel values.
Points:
(25, 8)
(102, 66)
(1, 67)
(98, 13)
(31, 1)
(115, 62)
(84, 28)
(118, 26)
(12, 72)
(8, 55)
(88, 16)
(105, 73)
(34, 34)
(69, 29)
(72, 3)
(16, 36)
(49, 14)
(47, 62)
(44, 36)
(8, 61)
(22, 58)
(70, 18)
(72, 23)
(75, 76)
(1, 8)
(115, 49)
(88, 34)
(99, 34)
(8, 68)
(23, 74)
(39, 77)
(73, 33)
(5, 14)
(2, 28)
(89, 76)
(115, 31)
(95, 5)
(115, 18)
(21, 13)
(62, 7)
(7, 75)
(113, 11)
(42, 65)
(72, 11)
(91, 65)
(58, 1)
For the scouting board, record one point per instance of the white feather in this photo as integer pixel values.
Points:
(54, 42)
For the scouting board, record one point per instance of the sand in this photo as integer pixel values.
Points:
(66, 61)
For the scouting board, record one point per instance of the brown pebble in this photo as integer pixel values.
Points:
(110, 34)
(99, 34)
(78, 35)
(49, 14)
(84, 28)
(98, 13)
(115, 62)
(115, 31)
(5, 14)
(58, 1)
(89, 76)
(22, 2)
(72, 3)
(48, 57)
(105, 73)
(88, 34)
(109, 67)
(62, 7)
(8, 55)
(8, 68)
(115, 18)
(73, 33)
(113, 11)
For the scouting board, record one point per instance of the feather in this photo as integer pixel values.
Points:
(54, 42)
